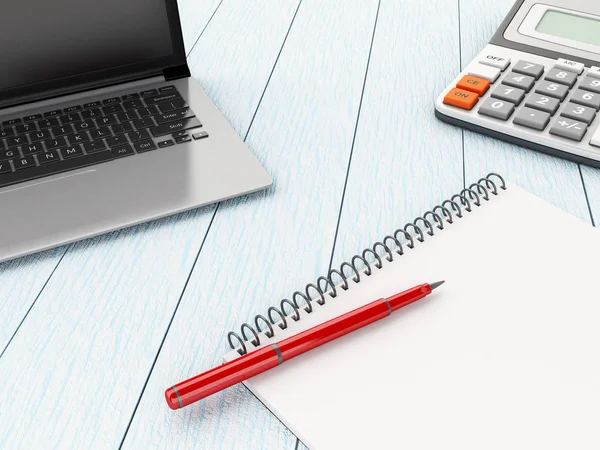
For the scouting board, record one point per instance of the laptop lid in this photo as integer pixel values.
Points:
(59, 47)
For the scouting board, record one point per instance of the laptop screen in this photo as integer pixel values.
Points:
(43, 40)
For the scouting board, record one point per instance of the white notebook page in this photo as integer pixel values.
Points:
(505, 355)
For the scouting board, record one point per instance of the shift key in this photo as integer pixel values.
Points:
(172, 127)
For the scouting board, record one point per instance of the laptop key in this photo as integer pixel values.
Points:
(48, 157)
(116, 141)
(32, 117)
(78, 138)
(6, 133)
(52, 169)
(58, 142)
(121, 151)
(149, 93)
(174, 115)
(24, 163)
(165, 89)
(180, 134)
(40, 135)
(134, 104)
(201, 135)
(172, 127)
(91, 113)
(5, 167)
(30, 149)
(162, 98)
(147, 112)
(136, 136)
(26, 128)
(146, 122)
(112, 109)
(121, 128)
(15, 141)
(11, 122)
(94, 146)
(167, 143)
(108, 120)
(128, 97)
(111, 101)
(126, 116)
(85, 125)
(144, 146)
(62, 131)
(70, 118)
(9, 154)
(72, 152)
(48, 123)
(100, 133)
(91, 105)
(183, 139)
(56, 112)
(170, 106)
(72, 109)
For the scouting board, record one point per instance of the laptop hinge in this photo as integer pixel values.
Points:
(177, 72)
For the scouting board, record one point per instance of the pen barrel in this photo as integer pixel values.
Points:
(222, 377)
(333, 329)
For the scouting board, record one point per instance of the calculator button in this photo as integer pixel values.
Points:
(483, 71)
(474, 84)
(461, 99)
(510, 94)
(499, 62)
(543, 103)
(532, 118)
(594, 72)
(578, 112)
(561, 76)
(586, 99)
(590, 84)
(527, 68)
(567, 64)
(518, 80)
(497, 109)
(569, 129)
(555, 90)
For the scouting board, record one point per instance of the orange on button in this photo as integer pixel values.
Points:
(473, 84)
(462, 99)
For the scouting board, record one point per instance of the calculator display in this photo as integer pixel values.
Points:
(570, 26)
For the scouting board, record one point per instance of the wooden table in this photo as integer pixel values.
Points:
(335, 97)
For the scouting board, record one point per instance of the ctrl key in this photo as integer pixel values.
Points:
(461, 98)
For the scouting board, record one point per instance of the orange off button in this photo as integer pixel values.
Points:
(473, 84)
(461, 98)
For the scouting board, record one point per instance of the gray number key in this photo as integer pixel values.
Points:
(510, 94)
(517, 80)
(555, 90)
(577, 112)
(561, 76)
(569, 129)
(497, 108)
(590, 84)
(532, 118)
(527, 68)
(543, 103)
(586, 98)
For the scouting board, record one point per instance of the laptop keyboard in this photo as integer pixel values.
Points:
(66, 139)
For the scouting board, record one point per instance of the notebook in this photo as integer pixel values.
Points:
(505, 355)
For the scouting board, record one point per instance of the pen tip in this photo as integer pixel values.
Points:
(437, 284)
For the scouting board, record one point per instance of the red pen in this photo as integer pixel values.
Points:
(265, 358)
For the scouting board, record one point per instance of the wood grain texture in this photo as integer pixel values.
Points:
(553, 179)
(262, 249)
(194, 15)
(20, 282)
(405, 160)
(591, 177)
(99, 323)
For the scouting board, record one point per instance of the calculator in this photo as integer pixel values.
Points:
(537, 83)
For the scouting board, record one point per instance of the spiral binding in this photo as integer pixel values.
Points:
(363, 264)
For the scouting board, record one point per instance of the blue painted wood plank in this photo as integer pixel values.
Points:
(261, 250)
(20, 282)
(194, 15)
(553, 179)
(404, 159)
(591, 178)
(99, 323)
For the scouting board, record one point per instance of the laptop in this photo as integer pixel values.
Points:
(102, 126)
